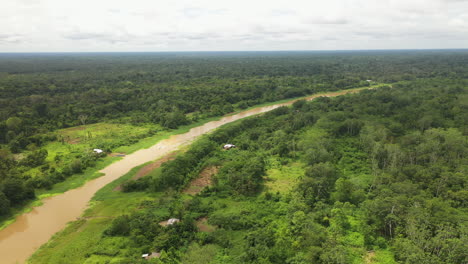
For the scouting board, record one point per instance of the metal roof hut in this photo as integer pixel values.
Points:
(229, 146)
(172, 221)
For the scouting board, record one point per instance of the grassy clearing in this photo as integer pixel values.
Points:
(380, 256)
(281, 178)
(99, 135)
(197, 254)
(117, 203)
(384, 256)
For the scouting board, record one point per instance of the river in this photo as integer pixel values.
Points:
(19, 240)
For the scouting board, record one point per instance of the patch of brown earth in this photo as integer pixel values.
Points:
(163, 223)
(204, 179)
(19, 156)
(150, 167)
(203, 225)
(154, 255)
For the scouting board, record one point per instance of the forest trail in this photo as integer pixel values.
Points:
(22, 238)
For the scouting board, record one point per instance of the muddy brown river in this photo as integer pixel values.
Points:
(20, 239)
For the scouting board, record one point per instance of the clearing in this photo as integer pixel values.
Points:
(203, 225)
(204, 179)
(281, 178)
(150, 167)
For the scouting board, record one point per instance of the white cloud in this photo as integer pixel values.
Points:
(164, 25)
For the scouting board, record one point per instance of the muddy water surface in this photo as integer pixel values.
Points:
(19, 240)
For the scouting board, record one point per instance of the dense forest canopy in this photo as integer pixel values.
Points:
(383, 170)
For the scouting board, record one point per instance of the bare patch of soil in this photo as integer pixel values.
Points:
(150, 167)
(202, 181)
(163, 223)
(19, 156)
(203, 225)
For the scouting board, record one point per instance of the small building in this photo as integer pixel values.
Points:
(98, 151)
(368, 80)
(229, 146)
(172, 221)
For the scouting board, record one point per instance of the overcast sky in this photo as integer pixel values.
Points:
(213, 25)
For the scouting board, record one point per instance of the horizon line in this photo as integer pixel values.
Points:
(234, 51)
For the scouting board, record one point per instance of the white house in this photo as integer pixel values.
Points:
(229, 146)
(172, 221)
(98, 151)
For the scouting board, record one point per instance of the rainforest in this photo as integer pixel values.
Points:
(318, 157)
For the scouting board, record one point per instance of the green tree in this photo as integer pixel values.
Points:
(4, 204)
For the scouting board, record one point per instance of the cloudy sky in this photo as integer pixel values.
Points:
(212, 25)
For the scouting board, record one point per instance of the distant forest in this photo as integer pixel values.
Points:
(41, 92)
